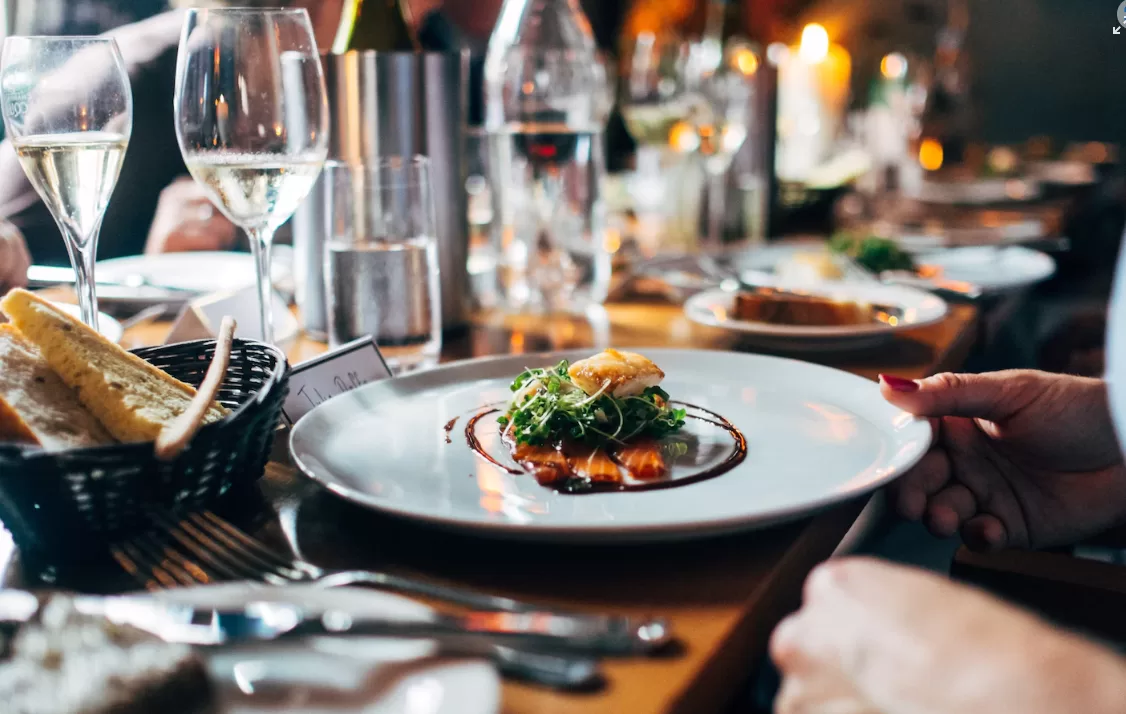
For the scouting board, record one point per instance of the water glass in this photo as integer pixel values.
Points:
(545, 120)
(381, 259)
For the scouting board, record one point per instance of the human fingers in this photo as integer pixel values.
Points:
(949, 509)
(994, 396)
(985, 532)
(911, 492)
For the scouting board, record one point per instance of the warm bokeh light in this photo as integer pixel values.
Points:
(683, 137)
(777, 53)
(747, 61)
(814, 43)
(612, 240)
(894, 66)
(930, 155)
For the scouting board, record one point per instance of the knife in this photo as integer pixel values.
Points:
(268, 621)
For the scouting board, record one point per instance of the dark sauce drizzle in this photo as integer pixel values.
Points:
(449, 427)
(581, 486)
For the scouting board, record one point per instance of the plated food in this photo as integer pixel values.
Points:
(63, 385)
(601, 423)
(814, 436)
(791, 308)
(873, 253)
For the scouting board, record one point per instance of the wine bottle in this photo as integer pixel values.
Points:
(381, 25)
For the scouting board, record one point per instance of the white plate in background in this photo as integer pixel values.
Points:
(993, 269)
(715, 308)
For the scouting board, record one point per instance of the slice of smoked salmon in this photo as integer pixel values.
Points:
(595, 465)
(545, 463)
(643, 460)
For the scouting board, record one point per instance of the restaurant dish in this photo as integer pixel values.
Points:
(781, 307)
(873, 253)
(84, 390)
(601, 423)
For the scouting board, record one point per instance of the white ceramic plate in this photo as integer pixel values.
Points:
(203, 272)
(978, 191)
(714, 309)
(362, 675)
(110, 328)
(993, 269)
(815, 436)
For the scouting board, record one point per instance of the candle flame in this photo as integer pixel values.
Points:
(814, 46)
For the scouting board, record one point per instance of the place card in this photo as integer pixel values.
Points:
(315, 381)
(200, 318)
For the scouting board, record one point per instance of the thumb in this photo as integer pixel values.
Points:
(994, 396)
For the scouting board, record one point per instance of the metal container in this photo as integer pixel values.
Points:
(385, 104)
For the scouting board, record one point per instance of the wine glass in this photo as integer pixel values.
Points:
(653, 96)
(68, 110)
(252, 120)
(720, 115)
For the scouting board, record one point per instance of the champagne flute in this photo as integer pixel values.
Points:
(68, 109)
(252, 120)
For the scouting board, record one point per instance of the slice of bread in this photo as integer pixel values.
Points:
(131, 398)
(36, 407)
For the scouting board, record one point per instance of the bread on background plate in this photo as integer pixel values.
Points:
(36, 406)
(130, 397)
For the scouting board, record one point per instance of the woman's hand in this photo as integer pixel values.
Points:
(872, 637)
(1020, 459)
(186, 220)
(14, 258)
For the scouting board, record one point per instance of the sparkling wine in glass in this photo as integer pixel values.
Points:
(68, 109)
(252, 120)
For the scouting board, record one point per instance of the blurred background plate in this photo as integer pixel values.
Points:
(714, 308)
(993, 269)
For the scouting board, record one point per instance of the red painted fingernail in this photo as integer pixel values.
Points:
(899, 384)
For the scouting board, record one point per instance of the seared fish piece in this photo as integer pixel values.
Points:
(623, 374)
(545, 463)
(643, 460)
(595, 465)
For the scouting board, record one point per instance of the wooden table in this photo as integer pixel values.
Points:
(723, 596)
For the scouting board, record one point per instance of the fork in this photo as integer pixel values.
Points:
(217, 550)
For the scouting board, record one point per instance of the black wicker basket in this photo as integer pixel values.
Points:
(62, 505)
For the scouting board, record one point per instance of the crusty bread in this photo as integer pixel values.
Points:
(36, 407)
(131, 398)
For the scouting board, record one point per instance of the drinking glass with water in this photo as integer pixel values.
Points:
(381, 259)
(546, 103)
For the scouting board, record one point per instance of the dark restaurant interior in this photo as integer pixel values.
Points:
(598, 356)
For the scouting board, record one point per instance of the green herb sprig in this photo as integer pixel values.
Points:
(547, 408)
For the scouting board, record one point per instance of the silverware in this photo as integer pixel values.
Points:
(203, 547)
(266, 622)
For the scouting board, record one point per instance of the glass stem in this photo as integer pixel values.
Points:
(261, 244)
(717, 199)
(82, 257)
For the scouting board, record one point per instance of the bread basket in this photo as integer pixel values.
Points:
(62, 505)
